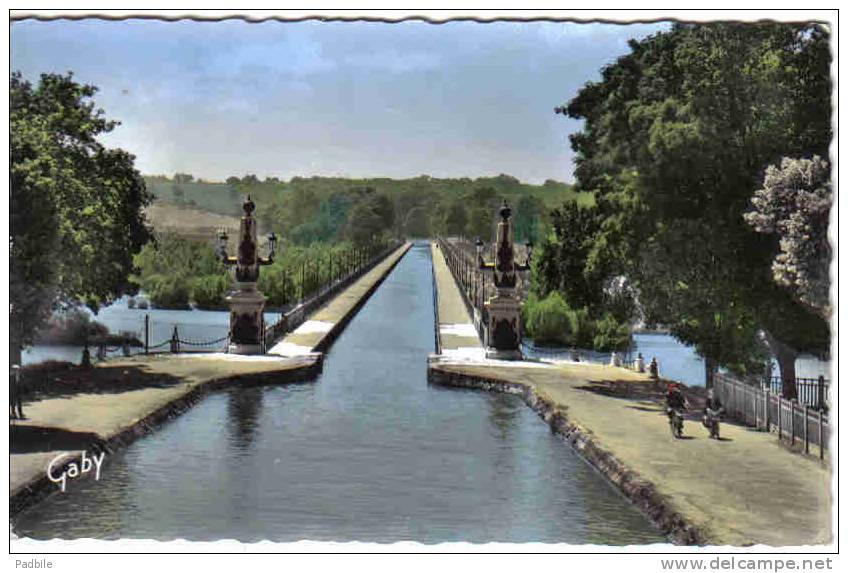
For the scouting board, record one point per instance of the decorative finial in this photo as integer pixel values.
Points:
(248, 206)
(505, 211)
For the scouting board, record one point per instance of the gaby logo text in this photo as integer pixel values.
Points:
(73, 470)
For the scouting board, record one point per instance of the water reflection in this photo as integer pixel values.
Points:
(243, 409)
(502, 409)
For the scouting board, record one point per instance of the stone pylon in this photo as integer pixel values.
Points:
(503, 339)
(246, 302)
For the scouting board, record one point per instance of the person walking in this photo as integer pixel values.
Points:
(16, 410)
(713, 410)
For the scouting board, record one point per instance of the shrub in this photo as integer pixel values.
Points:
(73, 326)
(168, 291)
(208, 291)
(612, 335)
(585, 329)
(549, 321)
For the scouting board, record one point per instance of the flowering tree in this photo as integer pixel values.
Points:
(794, 206)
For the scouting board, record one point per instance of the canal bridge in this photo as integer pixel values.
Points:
(383, 444)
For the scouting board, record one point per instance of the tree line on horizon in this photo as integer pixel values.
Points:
(329, 209)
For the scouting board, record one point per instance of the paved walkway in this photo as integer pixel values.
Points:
(97, 404)
(745, 489)
(456, 329)
(309, 335)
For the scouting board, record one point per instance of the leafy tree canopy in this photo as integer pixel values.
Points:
(680, 130)
(793, 206)
(76, 215)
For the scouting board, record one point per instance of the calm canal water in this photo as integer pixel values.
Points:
(367, 452)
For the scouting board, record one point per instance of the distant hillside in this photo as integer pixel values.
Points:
(188, 222)
(213, 197)
(225, 198)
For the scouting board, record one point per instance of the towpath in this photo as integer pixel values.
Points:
(457, 334)
(745, 489)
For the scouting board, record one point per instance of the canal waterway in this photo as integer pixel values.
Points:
(369, 452)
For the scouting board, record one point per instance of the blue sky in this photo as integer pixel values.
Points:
(350, 99)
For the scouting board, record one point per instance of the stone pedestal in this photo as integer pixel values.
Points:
(504, 328)
(246, 320)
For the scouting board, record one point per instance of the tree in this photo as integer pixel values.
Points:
(364, 224)
(562, 260)
(170, 269)
(328, 222)
(794, 207)
(76, 206)
(384, 208)
(691, 294)
(417, 222)
(233, 181)
(456, 219)
(482, 213)
(549, 320)
(679, 129)
(526, 219)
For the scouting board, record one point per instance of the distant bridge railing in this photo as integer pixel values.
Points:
(364, 261)
(474, 284)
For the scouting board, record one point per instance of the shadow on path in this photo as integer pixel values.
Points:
(65, 381)
(29, 439)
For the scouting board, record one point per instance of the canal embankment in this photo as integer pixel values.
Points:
(369, 452)
(744, 489)
(323, 326)
(109, 406)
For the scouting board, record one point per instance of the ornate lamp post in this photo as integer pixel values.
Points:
(503, 340)
(246, 302)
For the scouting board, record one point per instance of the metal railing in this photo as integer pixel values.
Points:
(811, 391)
(474, 285)
(759, 407)
(436, 322)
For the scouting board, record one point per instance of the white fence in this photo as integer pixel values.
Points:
(760, 408)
